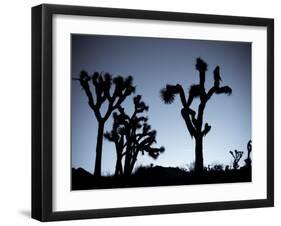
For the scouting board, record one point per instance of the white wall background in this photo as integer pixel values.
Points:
(15, 113)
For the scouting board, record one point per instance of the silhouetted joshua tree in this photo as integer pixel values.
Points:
(131, 136)
(104, 94)
(248, 160)
(193, 120)
(237, 155)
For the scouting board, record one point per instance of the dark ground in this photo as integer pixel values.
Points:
(157, 176)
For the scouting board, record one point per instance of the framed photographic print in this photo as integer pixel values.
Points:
(146, 112)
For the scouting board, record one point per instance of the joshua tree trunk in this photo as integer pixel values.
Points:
(99, 149)
(127, 165)
(128, 158)
(118, 166)
(132, 164)
(199, 154)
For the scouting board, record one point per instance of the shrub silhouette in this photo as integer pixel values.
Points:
(218, 167)
(131, 136)
(102, 85)
(237, 155)
(194, 122)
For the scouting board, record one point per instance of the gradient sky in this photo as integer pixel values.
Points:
(154, 62)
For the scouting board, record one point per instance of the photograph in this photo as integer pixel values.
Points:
(176, 107)
(148, 111)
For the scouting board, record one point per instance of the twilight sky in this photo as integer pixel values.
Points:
(154, 62)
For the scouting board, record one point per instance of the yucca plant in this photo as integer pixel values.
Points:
(237, 155)
(194, 120)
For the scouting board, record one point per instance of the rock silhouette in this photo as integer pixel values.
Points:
(102, 83)
(194, 120)
(131, 136)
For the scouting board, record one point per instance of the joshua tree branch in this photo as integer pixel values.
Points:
(224, 90)
(218, 90)
(210, 93)
(206, 130)
(110, 109)
(121, 98)
(98, 92)
(192, 114)
(182, 95)
(200, 114)
(140, 136)
(85, 85)
(186, 117)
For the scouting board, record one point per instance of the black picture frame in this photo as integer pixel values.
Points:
(42, 111)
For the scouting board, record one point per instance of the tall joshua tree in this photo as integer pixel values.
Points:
(194, 120)
(102, 85)
(131, 136)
